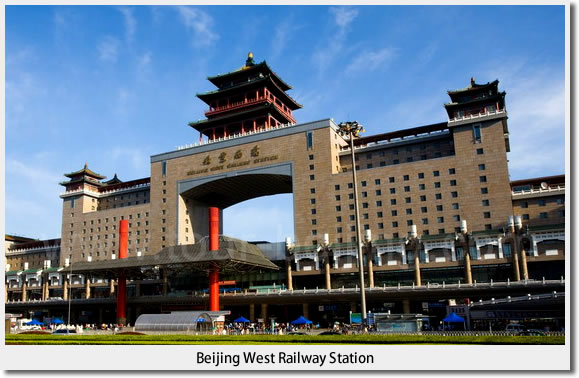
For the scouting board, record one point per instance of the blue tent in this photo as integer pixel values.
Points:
(56, 321)
(301, 320)
(201, 320)
(34, 322)
(453, 318)
(241, 319)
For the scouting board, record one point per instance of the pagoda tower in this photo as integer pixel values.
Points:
(474, 101)
(252, 98)
(83, 179)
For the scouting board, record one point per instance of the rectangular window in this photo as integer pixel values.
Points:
(390, 179)
(408, 200)
(377, 181)
(484, 190)
(314, 232)
(507, 250)
(454, 194)
(543, 215)
(314, 222)
(378, 192)
(311, 167)
(338, 197)
(438, 207)
(350, 185)
(338, 219)
(164, 168)
(440, 219)
(406, 177)
(313, 201)
(436, 173)
(313, 211)
(421, 187)
(525, 216)
(352, 217)
(72, 203)
(392, 190)
(486, 202)
(364, 205)
(451, 171)
(311, 157)
(368, 166)
(336, 187)
(421, 175)
(456, 218)
(438, 196)
(487, 214)
(379, 214)
(378, 203)
(541, 202)
(455, 206)
(350, 195)
(339, 230)
(352, 228)
(393, 201)
(406, 188)
(338, 208)
(394, 213)
(395, 224)
(476, 132)
(488, 227)
(313, 190)
(424, 220)
(424, 209)
(364, 183)
(409, 222)
(310, 140)
(452, 182)
(364, 194)
(380, 225)
(437, 184)
(408, 211)
(422, 198)
(481, 167)
(479, 151)
(482, 178)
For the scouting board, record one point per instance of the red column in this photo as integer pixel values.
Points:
(213, 246)
(122, 282)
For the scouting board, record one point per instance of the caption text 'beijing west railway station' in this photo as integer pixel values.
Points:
(440, 220)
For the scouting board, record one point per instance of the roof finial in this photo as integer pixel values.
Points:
(249, 62)
(85, 165)
(472, 81)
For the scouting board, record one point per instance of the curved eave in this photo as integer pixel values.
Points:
(498, 96)
(81, 180)
(218, 79)
(476, 87)
(207, 97)
(85, 172)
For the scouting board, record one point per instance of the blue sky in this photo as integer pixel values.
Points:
(112, 85)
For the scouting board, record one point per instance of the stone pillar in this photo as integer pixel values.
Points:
(264, 312)
(64, 287)
(45, 288)
(252, 312)
(327, 271)
(87, 287)
(290, 285)
(111, 287)
(306, 310)
(516, 272)
(467, 268)
(417, 277)
(406, 306)
(137, 289)
(5, 293)
(24, 288)
(370, 267)
(524, 270)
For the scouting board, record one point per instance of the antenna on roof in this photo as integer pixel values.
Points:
(471, 81)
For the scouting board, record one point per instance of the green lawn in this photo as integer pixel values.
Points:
(272, 339)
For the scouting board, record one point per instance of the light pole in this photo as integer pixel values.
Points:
(69, 290)
(351, 130)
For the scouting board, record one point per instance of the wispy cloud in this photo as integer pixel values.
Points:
(200, 23)
(372, 60)
(108, 49)
(133, 155)
(130, 23)
(342, 18)
(283, 34)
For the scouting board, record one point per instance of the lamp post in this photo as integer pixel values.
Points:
(69, 290)
(351, 130)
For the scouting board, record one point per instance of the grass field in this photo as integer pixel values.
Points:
(276, 339)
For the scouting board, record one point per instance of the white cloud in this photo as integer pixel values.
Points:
(108, 49)
(130, 23)
(138, 159)
(200, 23)
(372, 60)
(283, 33)
(343, 16)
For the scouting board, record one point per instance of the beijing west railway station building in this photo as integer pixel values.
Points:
(440, 219)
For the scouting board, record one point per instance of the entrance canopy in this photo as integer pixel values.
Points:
(233, 255)
(175, 321)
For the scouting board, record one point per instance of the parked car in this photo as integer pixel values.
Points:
(532, 332)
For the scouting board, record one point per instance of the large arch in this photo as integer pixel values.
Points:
(225, 190)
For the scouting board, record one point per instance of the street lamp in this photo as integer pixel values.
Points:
(351, 130)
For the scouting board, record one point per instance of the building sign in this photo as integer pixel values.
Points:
(222, 160)
(355, 318)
